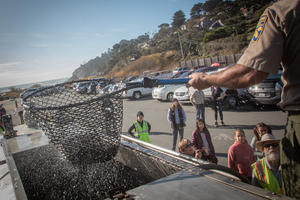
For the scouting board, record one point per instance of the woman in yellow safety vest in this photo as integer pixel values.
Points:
(141, 128)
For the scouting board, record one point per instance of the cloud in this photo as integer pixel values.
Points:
(39, 45)
(37, 35)
(9, 67)
(99, 35)
(9, 64)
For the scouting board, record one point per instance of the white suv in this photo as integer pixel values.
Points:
(183, 95)
(164, 92)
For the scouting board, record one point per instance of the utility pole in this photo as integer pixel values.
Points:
(180, 44)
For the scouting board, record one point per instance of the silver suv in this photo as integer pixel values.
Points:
(268, 91)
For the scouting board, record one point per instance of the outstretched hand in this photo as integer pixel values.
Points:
(197, 80)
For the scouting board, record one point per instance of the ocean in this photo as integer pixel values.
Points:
(28, 85)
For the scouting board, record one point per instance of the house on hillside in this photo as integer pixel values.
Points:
(216, 24)
(205, 22)
(143, 45)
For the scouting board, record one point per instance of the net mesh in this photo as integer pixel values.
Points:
(81, 120)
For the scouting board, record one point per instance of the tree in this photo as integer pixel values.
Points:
(210, 5)
(196, 11)
(178, 19)
(143, 38)
(163, 26)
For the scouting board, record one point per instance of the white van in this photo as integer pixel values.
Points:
(164, 92)
(137, 93)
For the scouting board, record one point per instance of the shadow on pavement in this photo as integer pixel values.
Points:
(224, 155)
(144, 98)
(160, 133)
(251, 108)
(273, 127)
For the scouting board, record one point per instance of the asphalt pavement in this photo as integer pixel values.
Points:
(222, 137)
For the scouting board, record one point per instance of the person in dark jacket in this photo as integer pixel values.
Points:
(218, 96)
(2, 113)
(177, 118)
(202, 142)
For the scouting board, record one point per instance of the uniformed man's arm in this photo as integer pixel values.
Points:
(238, 76)
(192, 99)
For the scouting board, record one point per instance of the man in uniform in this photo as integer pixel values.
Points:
(276, 40)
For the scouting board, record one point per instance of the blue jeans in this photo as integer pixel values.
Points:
(200, 111)
(175, 135)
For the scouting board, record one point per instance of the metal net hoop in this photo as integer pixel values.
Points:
(84, 125)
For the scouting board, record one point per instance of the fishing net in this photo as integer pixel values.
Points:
(83, 119)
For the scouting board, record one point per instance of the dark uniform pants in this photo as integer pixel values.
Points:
(290, 156)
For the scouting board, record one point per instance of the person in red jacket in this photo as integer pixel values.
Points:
(202, 142)
(240, 155)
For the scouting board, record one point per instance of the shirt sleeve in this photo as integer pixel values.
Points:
(231, 163)
(254, 180)
(253, 143)
(195, 140)
(265, 50)
(149, 126)
(192, 98)
(184, 116)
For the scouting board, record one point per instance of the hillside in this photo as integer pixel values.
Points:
(214, 28)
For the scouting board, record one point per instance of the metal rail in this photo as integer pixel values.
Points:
(179, 156)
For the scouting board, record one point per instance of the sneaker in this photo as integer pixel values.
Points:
(222, 123)
(216, 124)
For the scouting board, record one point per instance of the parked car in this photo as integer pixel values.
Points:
(180, 69)
(28, 92)
(183, 95)
(164, 92)
(81, 87)
(106, 89)
(203, 69)
(268, 91)
(158, 74)
(231, 99)
(177, 74)
(137, 93)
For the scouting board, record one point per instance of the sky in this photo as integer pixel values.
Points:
(48, 39)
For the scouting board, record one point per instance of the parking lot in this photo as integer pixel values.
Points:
(222, 137)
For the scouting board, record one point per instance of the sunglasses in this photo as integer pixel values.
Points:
(274, 145)
(187, 146)
(263, 130)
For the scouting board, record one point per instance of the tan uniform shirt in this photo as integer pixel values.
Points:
(198, 97)
(277, 40)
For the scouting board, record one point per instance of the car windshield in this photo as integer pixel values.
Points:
(185, 74)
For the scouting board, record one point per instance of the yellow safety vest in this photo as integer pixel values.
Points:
(265, 177)
(142, 132)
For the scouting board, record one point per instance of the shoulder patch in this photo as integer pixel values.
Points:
(260, 27)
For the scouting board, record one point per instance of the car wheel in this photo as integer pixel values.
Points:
(137, 95)
(170, 97)
(231, 102)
